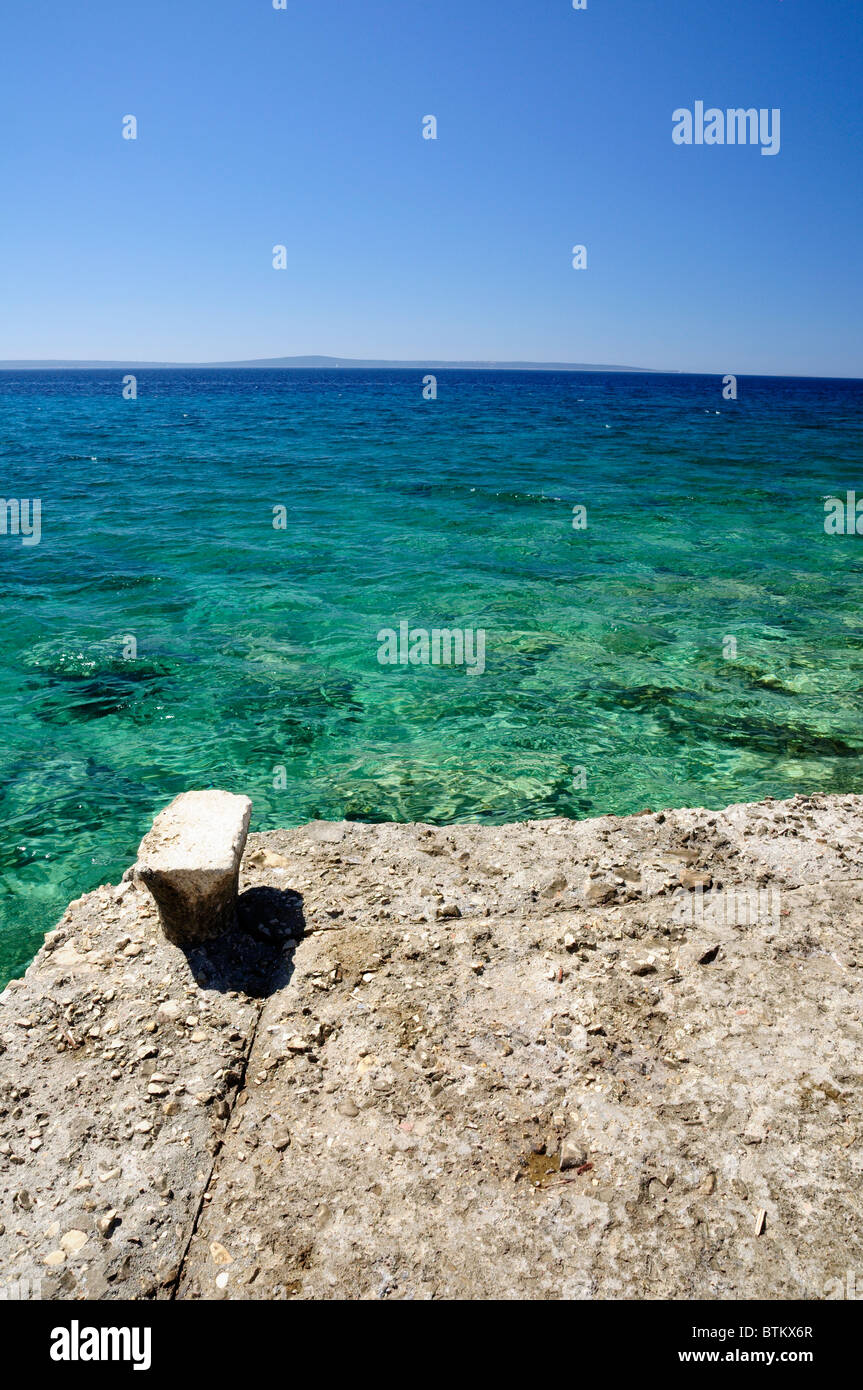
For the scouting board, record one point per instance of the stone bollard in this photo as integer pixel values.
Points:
(190, 861)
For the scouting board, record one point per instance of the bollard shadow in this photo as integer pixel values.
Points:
(257, 957)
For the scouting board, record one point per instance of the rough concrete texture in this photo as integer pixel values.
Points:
(190, 861)
(367, 1091)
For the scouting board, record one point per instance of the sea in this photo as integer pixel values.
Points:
(665, 619)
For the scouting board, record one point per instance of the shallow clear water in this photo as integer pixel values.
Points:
(257, 648)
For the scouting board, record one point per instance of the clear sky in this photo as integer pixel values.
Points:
(304, 127)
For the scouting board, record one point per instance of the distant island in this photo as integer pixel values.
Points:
(290, 362)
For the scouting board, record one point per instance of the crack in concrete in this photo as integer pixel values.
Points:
(238, 1091)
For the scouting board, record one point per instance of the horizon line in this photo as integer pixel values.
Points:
(393, 364)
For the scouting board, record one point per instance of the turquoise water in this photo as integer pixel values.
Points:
(257, 650)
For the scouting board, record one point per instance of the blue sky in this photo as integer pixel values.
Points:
(303, 127)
